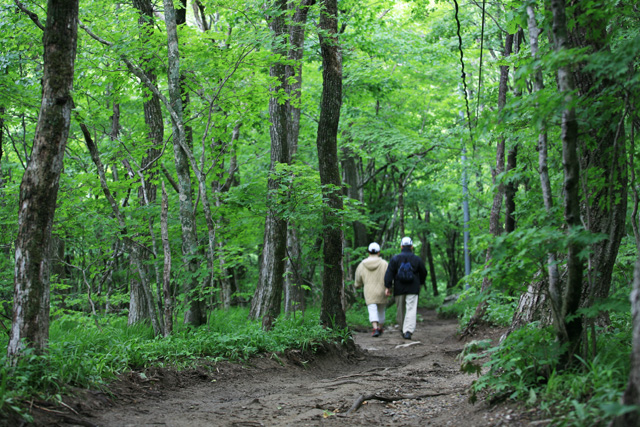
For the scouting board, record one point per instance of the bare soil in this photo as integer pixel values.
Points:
(407, 382)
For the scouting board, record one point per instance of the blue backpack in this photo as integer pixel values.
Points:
(405, 272)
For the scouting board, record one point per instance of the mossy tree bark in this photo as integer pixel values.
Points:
(40, 183)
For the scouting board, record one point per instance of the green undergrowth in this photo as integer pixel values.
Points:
(524, 368)
(499, 310)
(81, 354)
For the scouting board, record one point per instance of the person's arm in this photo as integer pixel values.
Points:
(390, 274)
(358, 279)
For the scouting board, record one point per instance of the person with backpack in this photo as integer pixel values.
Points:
(406, 273)
(370, 276)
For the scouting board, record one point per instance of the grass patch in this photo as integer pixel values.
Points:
(81, 355)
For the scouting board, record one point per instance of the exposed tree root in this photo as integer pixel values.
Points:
(363, 398)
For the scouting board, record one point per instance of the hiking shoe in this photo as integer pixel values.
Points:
(381, 330)
(407, 335)
(376, 333)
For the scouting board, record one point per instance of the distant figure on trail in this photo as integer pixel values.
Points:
(370, 275)
(406, 274)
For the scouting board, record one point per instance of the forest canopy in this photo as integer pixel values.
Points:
(166, 162)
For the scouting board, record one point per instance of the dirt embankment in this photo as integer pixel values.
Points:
(391, 382)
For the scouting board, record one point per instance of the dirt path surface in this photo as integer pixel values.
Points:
(421, 376)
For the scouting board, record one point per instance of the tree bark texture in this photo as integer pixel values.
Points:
(268, 295)
(632, 392)
(40, 183)
(166, 276)
(294, 294)
(602, 151)
(569, 331)
(194, 314)
(332, 310)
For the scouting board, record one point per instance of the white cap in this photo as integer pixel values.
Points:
(406, 241)
(374, 248)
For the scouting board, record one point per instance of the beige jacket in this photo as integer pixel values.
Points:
(370, 274)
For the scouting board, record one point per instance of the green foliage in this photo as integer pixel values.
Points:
(81, 355)
(524, 367)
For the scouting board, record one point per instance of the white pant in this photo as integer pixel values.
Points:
(408, 303)
(376, 313)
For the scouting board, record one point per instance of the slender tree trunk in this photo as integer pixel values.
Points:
(227, 287)
(166, 277)
(194, 314)
(510, 192)
(511, 187)
(494, 219)
(428, 255)
(569, 331)
(533, 304)
(294, 293)
(268, 296)
(141, 287)
(153, 118)
(332, 310)
(40, 183)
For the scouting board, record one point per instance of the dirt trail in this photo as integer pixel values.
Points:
(296, 391)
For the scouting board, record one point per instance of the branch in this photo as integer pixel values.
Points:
(362, 398)
(30, 14)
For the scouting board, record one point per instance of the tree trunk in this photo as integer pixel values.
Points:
(166, 277)
(632, 393)
(511, 187)
(533, 305)
(494, 219)
(194, 314)
(353, 190)
(569, 331)
(143, 303)
(227, 286)
(294, 293)
(602, 154)
(332, 310)
(40, 183)
(268, 295)
(428, 255)
(510, 192)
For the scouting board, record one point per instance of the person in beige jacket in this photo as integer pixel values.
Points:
(370, 275)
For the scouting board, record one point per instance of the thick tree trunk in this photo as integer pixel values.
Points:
(268, 295)
(602, 154)
(40, 183)
(332, 310)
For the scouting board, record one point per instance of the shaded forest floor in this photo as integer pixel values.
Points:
(301, 389)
